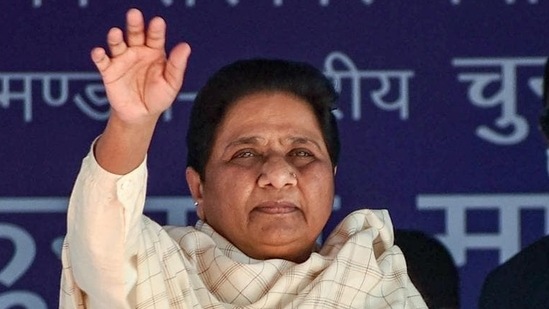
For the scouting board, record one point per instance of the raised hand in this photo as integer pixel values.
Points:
(140, 82)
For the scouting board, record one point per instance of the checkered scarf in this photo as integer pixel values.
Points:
(195, 267)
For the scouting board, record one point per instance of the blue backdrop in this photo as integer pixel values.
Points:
(438, 116)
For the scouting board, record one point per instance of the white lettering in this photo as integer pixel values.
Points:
(7, 94)
(88, 93)
(511, 128)
(276, 3)
(339, 66)
(23, 253)
(25, 299)
(508, 206)
(81, 3)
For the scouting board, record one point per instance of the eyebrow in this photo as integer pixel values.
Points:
(255, 140)
(304, 140)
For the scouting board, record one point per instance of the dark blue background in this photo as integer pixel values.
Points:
(386, 162)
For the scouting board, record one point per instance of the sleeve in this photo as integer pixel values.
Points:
(100, 248)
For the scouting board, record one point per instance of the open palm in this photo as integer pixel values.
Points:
(139, 80)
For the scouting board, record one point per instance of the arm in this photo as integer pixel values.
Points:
(103, 238)
(108, 197)
(140, 84)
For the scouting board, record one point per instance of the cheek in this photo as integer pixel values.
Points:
(227, 191)
(318, 187)
(319, 177)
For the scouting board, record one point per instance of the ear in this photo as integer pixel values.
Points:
(195, 186)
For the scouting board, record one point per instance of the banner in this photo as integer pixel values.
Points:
(438, 114)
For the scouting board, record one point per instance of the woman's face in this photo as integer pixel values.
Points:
(269, 181)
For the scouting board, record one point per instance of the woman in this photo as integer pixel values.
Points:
(262, 155)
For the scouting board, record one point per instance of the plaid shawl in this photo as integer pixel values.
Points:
(115, 257)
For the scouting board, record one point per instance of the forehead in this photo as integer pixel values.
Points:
(267, 113)
(269, 107)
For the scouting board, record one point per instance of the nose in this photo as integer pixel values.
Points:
(277, 172)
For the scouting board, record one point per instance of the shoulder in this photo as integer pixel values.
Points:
(522, 281)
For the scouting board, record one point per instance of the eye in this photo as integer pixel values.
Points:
(244, 154)
(301, 153)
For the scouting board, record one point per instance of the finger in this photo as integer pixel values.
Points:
(156, 34)
(100, 59)
(135, 27)
(176, 65)
(115, 40)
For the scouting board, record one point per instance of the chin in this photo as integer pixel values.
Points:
(284, 250)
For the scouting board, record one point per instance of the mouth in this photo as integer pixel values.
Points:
(275, 208)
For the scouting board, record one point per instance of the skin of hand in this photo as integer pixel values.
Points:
(141, 83)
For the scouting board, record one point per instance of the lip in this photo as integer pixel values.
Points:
(276, 208)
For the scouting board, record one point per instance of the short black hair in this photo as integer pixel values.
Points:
(246, 77)
(430, 267)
